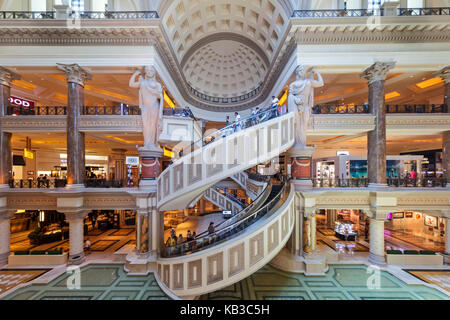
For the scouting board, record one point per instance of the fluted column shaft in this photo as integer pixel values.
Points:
(376, 139)
(376, 251)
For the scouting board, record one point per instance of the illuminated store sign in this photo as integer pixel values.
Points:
(19, 102)
(132, 161)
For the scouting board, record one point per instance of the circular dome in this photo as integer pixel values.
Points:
(225, 68)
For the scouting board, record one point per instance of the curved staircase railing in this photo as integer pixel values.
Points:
(226, 154)
(236, 256)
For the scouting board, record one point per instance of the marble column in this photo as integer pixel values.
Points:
(295, 244)
(118, 159)
(76, 77)
(76, 236)
(447, 236)
(142, 228)
(376, 139)
(6, 78)
(445, 75)
(5, 227)
(312, 220)
(376, 234)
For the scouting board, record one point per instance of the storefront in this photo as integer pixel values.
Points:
(417, 228)
(337, 222)
(348, 167)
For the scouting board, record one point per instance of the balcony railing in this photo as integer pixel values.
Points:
(224, 100)
(61, 183)
(336, 13)
(122, 15)
(391, 182)
(390, 108)
(62, 110)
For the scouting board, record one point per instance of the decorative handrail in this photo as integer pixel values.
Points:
(224, 100)
(390, 108)
(391, 182)
(41, 15)
(62, 110)
(204, 241)
(336, 13)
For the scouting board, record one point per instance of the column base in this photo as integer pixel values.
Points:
(76, 259)
(377, 259)
(4, 258)
(147, 183)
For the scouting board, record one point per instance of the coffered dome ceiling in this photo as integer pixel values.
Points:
(225, 47)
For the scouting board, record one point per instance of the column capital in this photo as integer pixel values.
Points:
(377, 71)
(7, 76)
(75, 73)
(76, 214)
(444, 74)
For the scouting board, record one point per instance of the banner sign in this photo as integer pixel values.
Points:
(20, 102)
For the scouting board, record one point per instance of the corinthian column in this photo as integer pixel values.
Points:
(6, 77)
(76, 77)
(445, 75)
(376, 139)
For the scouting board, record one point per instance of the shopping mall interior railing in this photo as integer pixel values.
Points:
(424, 182)
(42, 15)
(62, 110)
(390, 108)
(336, 13)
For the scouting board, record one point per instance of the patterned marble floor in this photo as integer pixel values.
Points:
(97, 282)
(342, 282)
(441, 278)
(13, 277)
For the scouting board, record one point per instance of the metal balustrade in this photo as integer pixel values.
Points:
(98, 15)
(390, 108)
(225, 100)
(61, 183)
(363, 182)
(352, 13)
(62, 110)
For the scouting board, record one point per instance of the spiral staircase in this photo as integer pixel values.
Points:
(254, 236)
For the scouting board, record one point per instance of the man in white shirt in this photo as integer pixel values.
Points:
(237, 122)
(88, 245)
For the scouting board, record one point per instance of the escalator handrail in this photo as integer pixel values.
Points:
(265, 208)
(219, 133)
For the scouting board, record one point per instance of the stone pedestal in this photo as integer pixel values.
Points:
(76, 77)
(5, 227)
(151, 165)
(62, 11)
(376, 251)
(391, 8)
(376, 139)
(301, 166)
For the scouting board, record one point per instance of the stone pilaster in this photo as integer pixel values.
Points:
(376, 251)
(76, 77)
(445, 75)
(5, 227)
(76, 236)
(376, 139)
(447, 236)
(295, 243)
(6, 78)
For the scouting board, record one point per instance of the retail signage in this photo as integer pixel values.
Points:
(342, 153)
(430, 221)
(28, 154)
(132, 161)
(20, 102)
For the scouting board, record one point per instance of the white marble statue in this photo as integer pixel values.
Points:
(301, 98)
(150, 91)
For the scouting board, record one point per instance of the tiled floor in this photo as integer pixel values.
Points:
(441, 278)
(97, 282)
(415, 240)
(13, 277)
(342, 282)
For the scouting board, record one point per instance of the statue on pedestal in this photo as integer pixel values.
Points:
(151, 109)
(301, 98)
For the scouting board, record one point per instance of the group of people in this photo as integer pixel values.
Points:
(174, 243)
(43, 181)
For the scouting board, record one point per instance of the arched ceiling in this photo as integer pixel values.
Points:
(225, 47)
